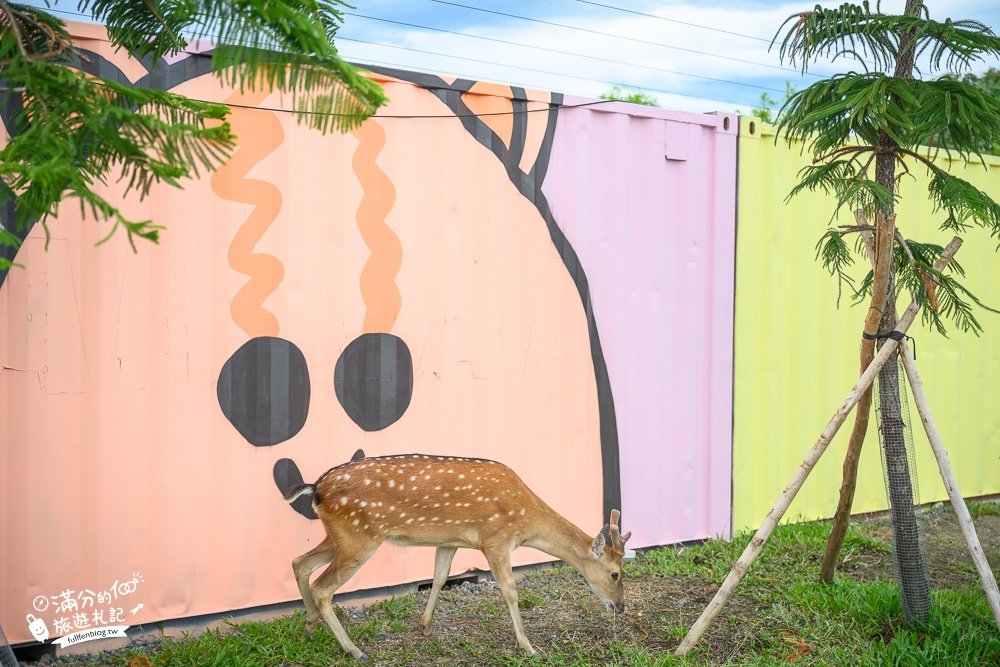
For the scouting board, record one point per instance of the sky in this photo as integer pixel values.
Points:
(706, 55)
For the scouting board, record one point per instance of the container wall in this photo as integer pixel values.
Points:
(796, 352)
(474, 269)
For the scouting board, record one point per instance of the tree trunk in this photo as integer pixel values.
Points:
(907, 550)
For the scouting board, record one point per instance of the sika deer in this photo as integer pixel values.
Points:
(448, 503)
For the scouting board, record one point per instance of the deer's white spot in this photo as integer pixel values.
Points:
(392, 483)
(413, 478)
(434, 519)
(347, 475)
(392, 508)
(367, 481)
(409, 521)
(402, 514)
(437, 504)
(437, 488)
(461, 476)
(447, 520)
(365, 527)
(522, 511)
(343, 500)
(420, 518)
(378, 484)
(365, 504)
(510, 513)
(356, 521)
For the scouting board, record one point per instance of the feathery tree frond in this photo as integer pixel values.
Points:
(866, 130)
(856, 30)
(71, 132)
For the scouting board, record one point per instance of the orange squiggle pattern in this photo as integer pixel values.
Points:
(259, 134)
(378, 286)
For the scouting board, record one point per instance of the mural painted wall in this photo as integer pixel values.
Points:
(440, 281)
(797, 353)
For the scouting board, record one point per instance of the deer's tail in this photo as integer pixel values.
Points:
(299, 490)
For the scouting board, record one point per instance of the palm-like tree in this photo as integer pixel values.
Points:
(865, 130)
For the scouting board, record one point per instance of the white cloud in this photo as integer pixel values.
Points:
(589, 76)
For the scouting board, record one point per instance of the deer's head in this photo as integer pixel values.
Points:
(603, 569)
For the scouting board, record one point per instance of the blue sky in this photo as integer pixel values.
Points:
(698, 56)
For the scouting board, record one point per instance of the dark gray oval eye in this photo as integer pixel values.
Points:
(614, 576)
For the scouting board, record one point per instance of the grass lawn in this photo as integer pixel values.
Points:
(779, 615)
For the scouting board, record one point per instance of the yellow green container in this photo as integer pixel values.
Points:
(796, 352)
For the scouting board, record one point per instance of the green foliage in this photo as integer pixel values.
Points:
(767, 109)
(72, 133)
(633, 96)
(988, 82)
(861, 126)
(955, 302)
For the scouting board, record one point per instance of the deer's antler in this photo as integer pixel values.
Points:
(617, 539)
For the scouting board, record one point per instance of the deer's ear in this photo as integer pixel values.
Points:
(597, 548)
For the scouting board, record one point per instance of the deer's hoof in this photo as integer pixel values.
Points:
(426, 629)
(363, 657)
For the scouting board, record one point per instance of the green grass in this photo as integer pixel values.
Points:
(984, 508)
(779, 612)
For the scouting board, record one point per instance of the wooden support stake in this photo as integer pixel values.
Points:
(785, 499)
(989, 582)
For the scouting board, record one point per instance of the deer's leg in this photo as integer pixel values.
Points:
(304, 566)
(345, 563)
(499, 560)
(442, 566)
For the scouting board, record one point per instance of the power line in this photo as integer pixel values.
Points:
(567, 53)
(624, 37)
(664, 18)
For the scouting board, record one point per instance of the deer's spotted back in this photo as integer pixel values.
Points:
(385, 493)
